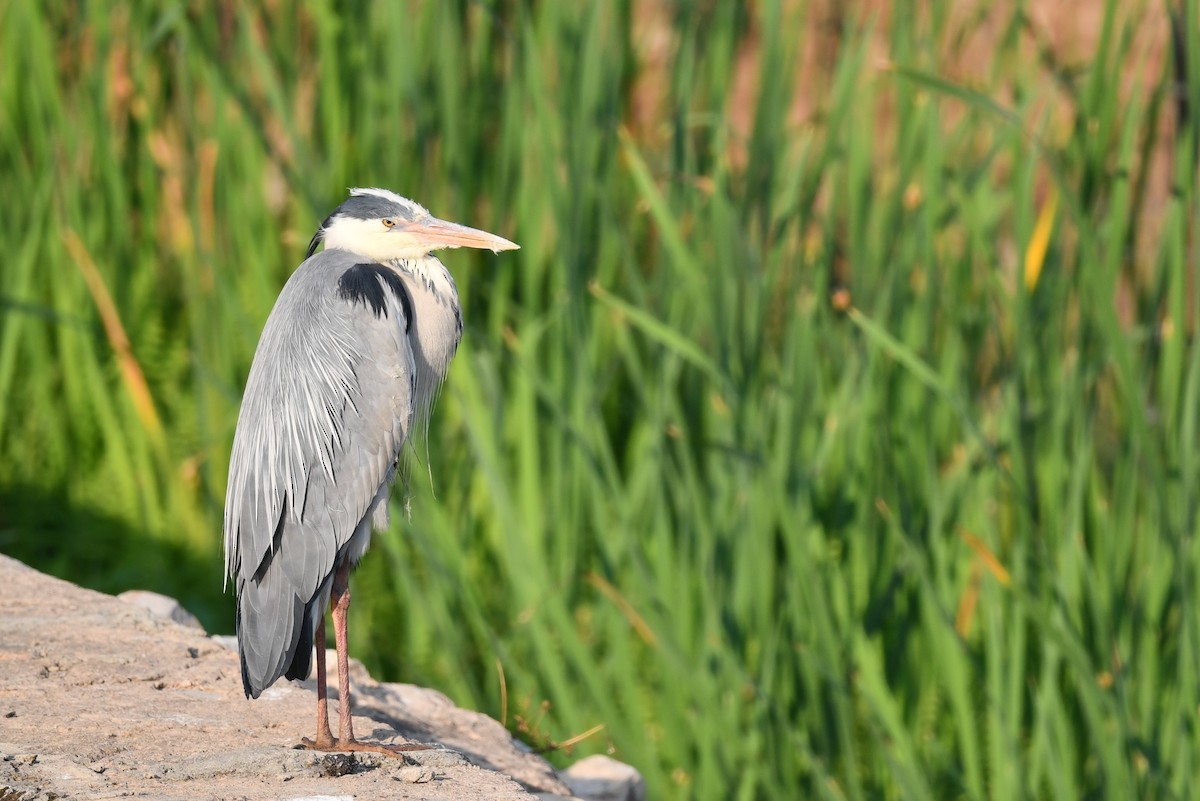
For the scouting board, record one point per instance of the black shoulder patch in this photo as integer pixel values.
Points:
(368, 284)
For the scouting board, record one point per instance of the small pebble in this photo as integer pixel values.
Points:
(413, 774)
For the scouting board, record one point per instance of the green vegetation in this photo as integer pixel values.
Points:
(850, 457)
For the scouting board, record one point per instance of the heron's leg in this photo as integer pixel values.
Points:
(324, 735)
(340, 601)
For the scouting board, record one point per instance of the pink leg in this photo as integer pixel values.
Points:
(324, 735)
(324, 741)
(340, 601)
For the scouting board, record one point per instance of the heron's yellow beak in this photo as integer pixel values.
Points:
(435, 234)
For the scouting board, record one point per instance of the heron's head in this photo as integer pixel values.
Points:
(383, 226)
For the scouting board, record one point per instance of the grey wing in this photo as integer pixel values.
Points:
(327, 407)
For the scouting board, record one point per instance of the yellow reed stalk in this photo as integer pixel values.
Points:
(1035, 252)
(131, 371)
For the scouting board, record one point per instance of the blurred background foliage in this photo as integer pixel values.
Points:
(834, 433)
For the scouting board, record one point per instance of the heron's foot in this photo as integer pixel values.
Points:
(319, 744)
(349, 746)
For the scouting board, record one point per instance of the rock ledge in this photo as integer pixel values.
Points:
(101, 698)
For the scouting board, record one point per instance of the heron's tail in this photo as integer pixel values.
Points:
(273, 631)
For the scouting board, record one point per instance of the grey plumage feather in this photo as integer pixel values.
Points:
(329, 403)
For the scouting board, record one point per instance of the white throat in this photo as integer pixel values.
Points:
(436, 327)
(429, 272)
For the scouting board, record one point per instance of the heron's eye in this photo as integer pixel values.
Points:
(389, 223)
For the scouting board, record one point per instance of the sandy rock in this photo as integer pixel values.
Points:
(417, 713)
(101, 699)
(162, 607)
(599, 778)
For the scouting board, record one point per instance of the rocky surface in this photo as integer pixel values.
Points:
(101, 698)
(161, 606)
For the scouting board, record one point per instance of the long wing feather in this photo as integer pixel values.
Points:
(327, 407)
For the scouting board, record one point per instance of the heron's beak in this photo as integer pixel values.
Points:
(434, 234)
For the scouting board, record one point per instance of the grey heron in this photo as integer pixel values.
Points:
(349, 362)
